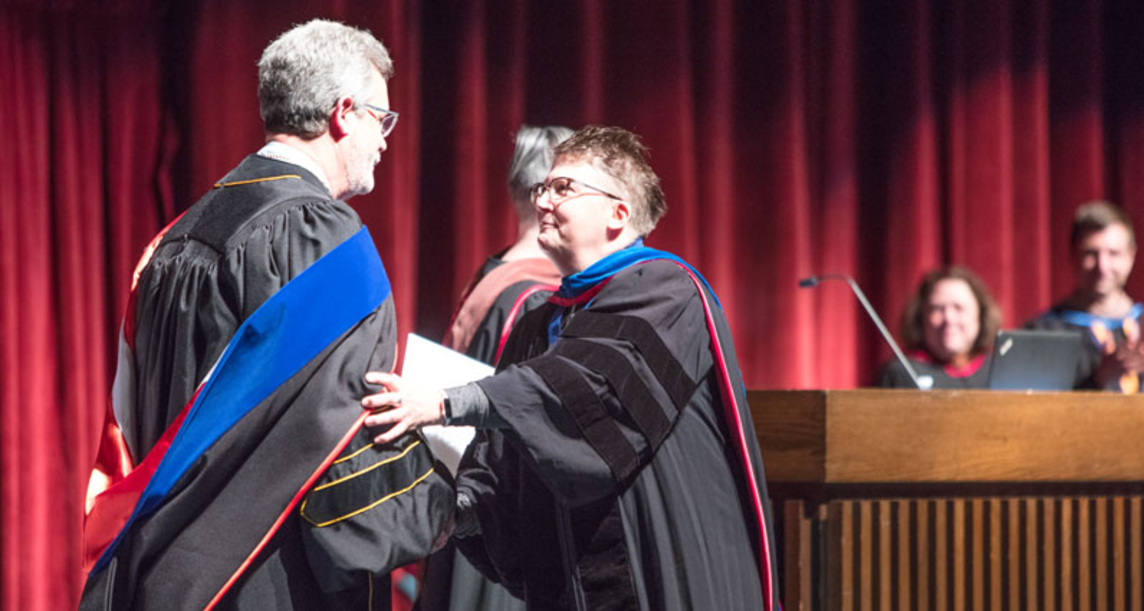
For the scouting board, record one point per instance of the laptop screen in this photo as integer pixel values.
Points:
(1025, 359)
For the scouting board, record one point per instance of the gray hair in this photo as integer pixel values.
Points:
(531, 161)
(304, 72)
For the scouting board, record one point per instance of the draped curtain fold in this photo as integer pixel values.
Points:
(85, 139)
(793, 138)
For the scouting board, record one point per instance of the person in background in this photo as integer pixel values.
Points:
(1103, 247)
(948, 329)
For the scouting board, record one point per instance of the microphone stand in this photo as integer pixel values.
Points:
(921, 382)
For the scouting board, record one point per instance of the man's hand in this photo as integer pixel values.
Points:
(1131, 358)
(1121, 364)
(403, 406)
(1131, 354)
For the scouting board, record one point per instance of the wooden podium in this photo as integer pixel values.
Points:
(951, 500)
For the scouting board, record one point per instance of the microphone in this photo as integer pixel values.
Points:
(921, 382)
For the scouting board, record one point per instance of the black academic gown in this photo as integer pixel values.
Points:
(616, 484)
(501, 290)
(516, 297)
(374, 509)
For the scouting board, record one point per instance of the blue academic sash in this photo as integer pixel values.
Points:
(284, 334)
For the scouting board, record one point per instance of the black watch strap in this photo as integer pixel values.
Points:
(448, 409)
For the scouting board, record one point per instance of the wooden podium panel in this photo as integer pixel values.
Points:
(950, 500)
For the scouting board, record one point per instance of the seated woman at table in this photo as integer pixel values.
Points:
(948, 329)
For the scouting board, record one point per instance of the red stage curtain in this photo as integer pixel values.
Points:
(84, 190)
(794, 137)
(802, 137)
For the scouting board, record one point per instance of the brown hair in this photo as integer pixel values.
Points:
(913, 334)
(624, 157)
(1098, 216)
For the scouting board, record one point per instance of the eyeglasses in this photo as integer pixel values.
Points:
(386, 117)
(563, 188)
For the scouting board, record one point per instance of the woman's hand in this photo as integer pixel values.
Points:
(403, 406)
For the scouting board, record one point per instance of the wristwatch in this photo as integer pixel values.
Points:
(448, 409)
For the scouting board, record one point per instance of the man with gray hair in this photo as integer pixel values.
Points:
(236, 472)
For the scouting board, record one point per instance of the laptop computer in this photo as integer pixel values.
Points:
(1027, 359)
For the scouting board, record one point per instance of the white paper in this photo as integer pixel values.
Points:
(428, 362)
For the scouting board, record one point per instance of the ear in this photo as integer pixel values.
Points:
(339, 118)
(621, 215)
